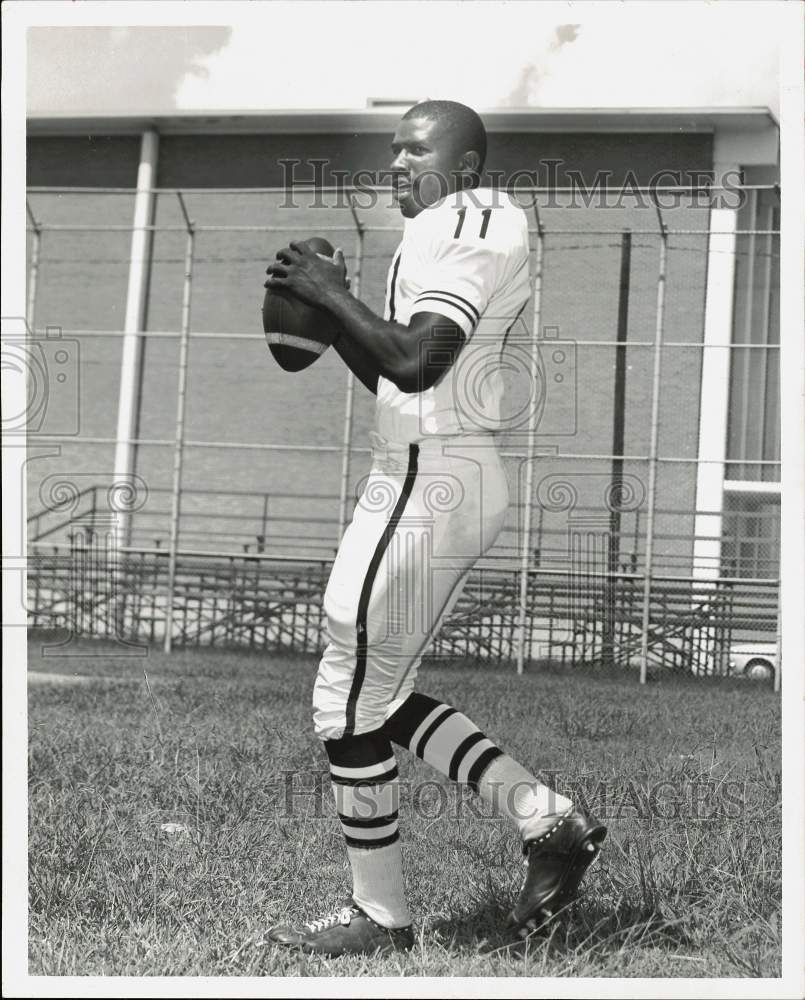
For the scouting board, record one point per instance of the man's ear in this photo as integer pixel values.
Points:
(470, 162)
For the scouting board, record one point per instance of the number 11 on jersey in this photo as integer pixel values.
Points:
(461, 212)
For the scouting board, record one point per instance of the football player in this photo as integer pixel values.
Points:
(434, 502)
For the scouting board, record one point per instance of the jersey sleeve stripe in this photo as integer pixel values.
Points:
(452, 295)
(439, 298)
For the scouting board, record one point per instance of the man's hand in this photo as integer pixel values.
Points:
(311, 278)
(370, 346)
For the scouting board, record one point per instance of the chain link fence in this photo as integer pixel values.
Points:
(634, 540)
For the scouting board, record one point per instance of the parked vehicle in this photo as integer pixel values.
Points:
(753, 660)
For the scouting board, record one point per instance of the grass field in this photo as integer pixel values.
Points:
(686, 774)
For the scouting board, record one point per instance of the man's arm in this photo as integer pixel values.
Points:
(357, 361)
(413, 357)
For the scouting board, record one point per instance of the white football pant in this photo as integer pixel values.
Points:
(427, 512)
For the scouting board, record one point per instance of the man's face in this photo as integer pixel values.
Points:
(426, 158)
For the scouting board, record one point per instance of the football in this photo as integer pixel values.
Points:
(297, 333)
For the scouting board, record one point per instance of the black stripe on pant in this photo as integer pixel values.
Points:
(362, 643)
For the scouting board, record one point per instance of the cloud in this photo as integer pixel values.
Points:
(565, 34)
(339, 54)
(114, 68)
(663, 54)
(528, 54)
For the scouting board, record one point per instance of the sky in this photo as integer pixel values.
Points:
(613, 53)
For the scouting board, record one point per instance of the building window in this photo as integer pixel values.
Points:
(751, 535)
(753, 429)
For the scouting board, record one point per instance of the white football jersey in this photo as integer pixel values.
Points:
(466, 258)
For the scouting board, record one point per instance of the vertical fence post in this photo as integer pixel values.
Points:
(178, 450)
(349, 404)
(616, 475)
(778, 660)
(30, 309)
(652, 455)
(263, 525)
(532, 442)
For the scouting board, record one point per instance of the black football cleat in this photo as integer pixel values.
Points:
(556, 863)
(346, 931)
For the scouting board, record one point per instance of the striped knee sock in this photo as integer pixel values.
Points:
(449, 741)
(364, 777)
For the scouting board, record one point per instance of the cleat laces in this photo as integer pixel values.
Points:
(343, 916)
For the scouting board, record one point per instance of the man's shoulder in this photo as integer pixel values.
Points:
(489, 197)
(480, 199)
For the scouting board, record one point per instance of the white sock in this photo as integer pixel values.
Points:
(515, 792)
(378, 886)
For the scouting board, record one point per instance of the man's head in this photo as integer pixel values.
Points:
(439, 147)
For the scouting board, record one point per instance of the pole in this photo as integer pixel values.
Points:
(532, 442)
(778, 660)
(346, 444)
(764, 326)
(30, 311)
(263, 525)
(652, 457)
(749, 324)
(131, 357)
(181, 399)
(714, 402)
(618, 434)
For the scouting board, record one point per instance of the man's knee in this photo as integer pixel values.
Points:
(339, 703)
(331, 693)
(330, 717)
(346, 699)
